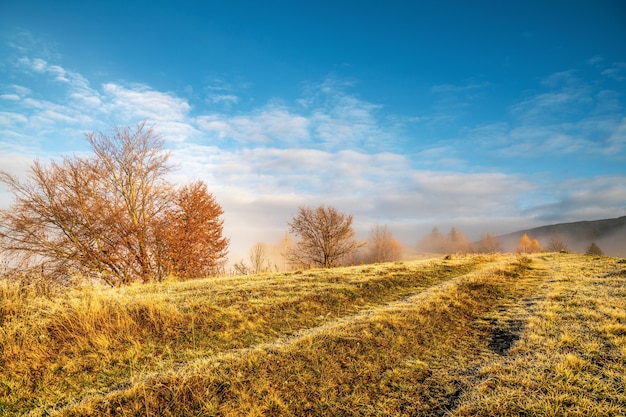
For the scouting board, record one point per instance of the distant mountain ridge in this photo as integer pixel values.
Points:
(608, 234)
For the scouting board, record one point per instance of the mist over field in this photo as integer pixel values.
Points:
(609, 234)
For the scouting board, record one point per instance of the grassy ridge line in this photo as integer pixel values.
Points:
(386, 361)
(336, 325)
(68, 346)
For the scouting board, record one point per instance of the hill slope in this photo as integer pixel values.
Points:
(474, 335)
(609, 234)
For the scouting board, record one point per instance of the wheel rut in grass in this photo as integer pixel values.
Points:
(476, 345)
(504, 335)
(404, 304)
(568, 360)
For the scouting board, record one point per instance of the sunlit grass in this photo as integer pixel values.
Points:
(475, 335)
(63, 346)
(570, 359)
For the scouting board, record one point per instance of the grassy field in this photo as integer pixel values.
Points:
(472, 335)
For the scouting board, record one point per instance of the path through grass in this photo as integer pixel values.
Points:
(478, 335)
(64, 347)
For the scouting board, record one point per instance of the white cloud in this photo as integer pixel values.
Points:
(129, 105)
(261, 188)
(325, 118)
(141, 101)
(571, 118)
(616, 142)
(584, 199)
(12, 119)
(340, 120)
(616, 71)
(20, 90)
(553, 105)
(568, 98)
(267, 126)
(11, 97)
(219, 91)
(452, 88)
(347, 127)
(60, 74)
(224, 98)
(36, 64)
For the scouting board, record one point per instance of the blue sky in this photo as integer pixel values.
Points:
(491, 116)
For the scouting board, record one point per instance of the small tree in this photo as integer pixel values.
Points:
(488, 244)
(528, 246)
(556, 244)
(594, 249)
(258, 258)
(241, 268)
(434, 242)
(383, 247)
(457, 242)
(524, 244)
(535, 247)
(325, 237)
(94, 215)
(285, 247)
(191, 233)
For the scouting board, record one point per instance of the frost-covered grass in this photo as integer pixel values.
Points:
(473, 335)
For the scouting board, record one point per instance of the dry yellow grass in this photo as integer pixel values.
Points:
(571, 358)
(475, 335)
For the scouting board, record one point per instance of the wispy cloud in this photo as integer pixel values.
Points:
(616, 71)
(567, 97)
(617, 140)
(74, 80)
(270, 125)
(324, 118)
(170, 113)
(219, 91)
(459, 88)
(570, 117)
(224, 98)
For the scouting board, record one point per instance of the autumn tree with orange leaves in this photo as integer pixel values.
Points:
(528, 246)
(191, 234)
(111, 215)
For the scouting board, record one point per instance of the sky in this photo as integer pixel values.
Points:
(490, 116)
